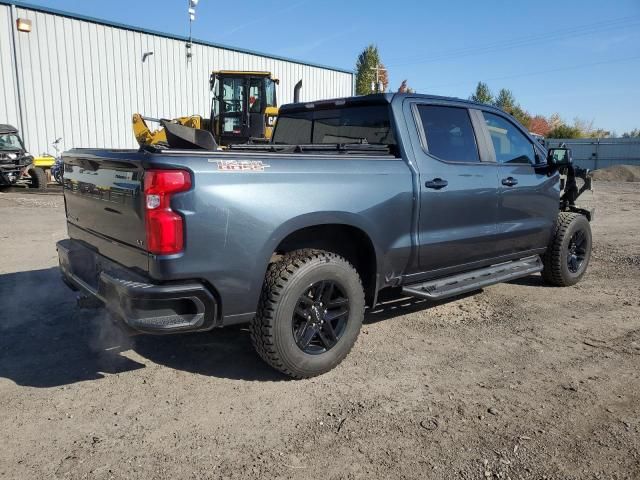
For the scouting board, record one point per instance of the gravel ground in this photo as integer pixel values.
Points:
(618, 173)
(517, 381)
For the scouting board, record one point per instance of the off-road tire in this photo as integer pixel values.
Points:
(556, 269)
(271, 330)
(38, 178)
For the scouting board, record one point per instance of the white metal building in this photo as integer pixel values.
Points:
(82, 78)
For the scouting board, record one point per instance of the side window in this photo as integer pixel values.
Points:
(510, 144)
(449, 133)
(270, 89)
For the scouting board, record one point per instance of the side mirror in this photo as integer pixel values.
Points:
(559, 157)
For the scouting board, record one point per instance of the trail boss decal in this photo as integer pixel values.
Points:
(240, 165)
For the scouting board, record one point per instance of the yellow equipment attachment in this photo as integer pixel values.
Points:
(145, 136)
(45, 161)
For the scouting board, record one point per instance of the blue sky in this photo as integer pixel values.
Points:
(577, 58)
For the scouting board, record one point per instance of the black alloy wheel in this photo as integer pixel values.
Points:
(320, 317)
(577, 251)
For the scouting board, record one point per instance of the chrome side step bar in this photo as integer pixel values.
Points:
(474, 280)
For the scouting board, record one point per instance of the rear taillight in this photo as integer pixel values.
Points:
(165, 232)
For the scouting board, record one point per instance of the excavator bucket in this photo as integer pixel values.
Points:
(183, 132)
(185, 137)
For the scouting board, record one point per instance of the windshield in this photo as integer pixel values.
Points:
(353, 124)
(10, 141)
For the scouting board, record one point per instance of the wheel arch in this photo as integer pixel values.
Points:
(343, 234)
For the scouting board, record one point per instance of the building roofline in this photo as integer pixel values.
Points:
(99, 21)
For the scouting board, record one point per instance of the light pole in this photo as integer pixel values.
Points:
(192, 16)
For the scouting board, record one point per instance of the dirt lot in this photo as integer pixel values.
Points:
(518, 381)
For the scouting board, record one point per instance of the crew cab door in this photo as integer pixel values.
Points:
(528, 198)
(458, 188)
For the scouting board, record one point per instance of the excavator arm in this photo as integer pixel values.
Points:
(145, 136)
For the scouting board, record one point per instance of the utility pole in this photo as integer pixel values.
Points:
(377, 85)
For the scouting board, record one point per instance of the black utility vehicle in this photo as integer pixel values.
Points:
(16, 164)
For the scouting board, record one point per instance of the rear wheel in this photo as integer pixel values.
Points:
(310, 313)
(567, 257)
(38, 178)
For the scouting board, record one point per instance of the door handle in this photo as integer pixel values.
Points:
(509, 181)
(436, 183)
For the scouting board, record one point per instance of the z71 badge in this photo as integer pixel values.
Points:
(240, 165)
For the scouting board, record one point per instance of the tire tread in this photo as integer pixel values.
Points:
(278, 275)
(553, 258)
(40, 177)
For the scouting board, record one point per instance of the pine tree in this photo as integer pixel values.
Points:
(365, 70)
(482, 94)
(505, 100)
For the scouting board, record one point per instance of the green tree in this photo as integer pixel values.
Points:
(367, 61)
(505, 100)
(521, 115)
(565, 131)
(599, 133)
(482, 94)
(632, 134)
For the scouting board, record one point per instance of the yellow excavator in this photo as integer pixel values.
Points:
(244, 109)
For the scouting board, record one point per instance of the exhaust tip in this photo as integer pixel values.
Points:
(296, 91)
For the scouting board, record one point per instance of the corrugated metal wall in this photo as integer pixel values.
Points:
(596, 153)
(82, 80)
(9, 112)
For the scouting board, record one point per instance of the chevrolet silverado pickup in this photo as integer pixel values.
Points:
(431, 196)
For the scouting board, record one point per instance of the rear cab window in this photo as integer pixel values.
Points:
(448, 133)
(350, 124)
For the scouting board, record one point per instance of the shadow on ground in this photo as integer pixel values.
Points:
(46, 341)
(530, 281)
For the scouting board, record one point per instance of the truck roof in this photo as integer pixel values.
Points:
(5, 128)
(373, 99)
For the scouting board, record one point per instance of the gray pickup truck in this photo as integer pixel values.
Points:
(433, 197)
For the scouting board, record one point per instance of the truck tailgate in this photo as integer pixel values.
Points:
(104, 203)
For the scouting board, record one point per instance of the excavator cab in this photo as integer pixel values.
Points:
(244, 107)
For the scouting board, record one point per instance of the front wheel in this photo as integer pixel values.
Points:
(38, 178)
(310, 313)
(568, 254)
